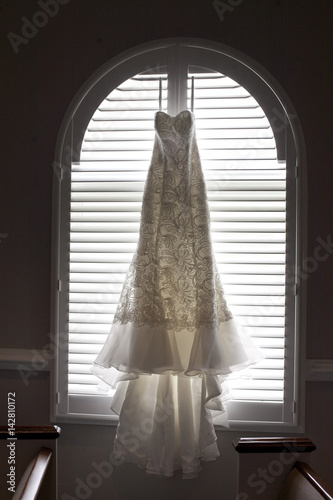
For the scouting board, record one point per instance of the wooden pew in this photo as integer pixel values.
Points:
(303, 483)
(32, 479)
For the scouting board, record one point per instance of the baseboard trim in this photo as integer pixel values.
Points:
(319, 370)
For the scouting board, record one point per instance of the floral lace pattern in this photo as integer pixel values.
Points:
(173, 279)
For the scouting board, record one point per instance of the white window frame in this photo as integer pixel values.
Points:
(178, 53)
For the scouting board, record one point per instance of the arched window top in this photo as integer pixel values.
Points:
(175, 58)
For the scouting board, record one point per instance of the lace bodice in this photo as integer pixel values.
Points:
(172, 280)
(172, 130)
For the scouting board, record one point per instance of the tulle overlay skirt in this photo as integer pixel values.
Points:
(169, 387)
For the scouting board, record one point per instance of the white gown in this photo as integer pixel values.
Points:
(173, 341)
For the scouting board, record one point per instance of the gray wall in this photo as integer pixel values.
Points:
(292, 39)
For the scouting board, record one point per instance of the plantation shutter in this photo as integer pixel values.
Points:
(246, 186)
(106, 196)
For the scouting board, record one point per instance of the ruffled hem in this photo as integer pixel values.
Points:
(169, 387)
(217, 389)
(209, 454)
(148, 349)
(164, 425)
(131, 351)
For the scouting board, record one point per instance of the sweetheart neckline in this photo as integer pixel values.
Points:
(173, 117)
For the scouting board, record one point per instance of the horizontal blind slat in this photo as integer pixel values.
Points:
(215, 206)
(222, 248)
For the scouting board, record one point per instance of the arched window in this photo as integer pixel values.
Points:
(251, 150)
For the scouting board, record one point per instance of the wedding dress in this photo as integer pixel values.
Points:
(173, 341)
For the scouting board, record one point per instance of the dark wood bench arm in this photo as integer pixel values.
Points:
(31, 432)
(33, 476)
